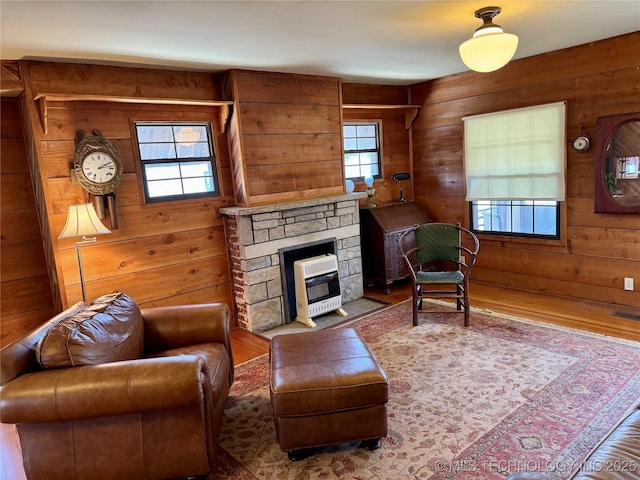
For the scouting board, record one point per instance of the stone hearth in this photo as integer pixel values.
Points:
(257, 234)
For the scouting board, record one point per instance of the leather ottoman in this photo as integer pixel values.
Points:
(326, 388)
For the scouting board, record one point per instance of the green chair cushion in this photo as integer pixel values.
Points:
(455, 277)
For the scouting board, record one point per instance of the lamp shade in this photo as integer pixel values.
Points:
(489, 52)
(82, 220)
(490, 48)
(368, 181)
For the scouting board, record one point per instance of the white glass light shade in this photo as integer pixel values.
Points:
(350, 185)
(82, 220)
(487, 52)
(368, 181)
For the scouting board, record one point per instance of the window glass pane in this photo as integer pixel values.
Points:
(350, 144)
(366, 143)
(366, 130)
(352, 172)
(502, 217)
(546, 220)
(194, 150)
(163, 188)
(157, 151)
(522, 219)
(481, 215)
(196, 169)
(494, 217)
(369, 158)
(349, 131)
(368, 170)
(189, 134)
(160, 171)
(155, 133)
(630, 167)
(197, 185)
(352, 159)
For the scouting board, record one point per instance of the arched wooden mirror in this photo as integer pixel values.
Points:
(617, 188)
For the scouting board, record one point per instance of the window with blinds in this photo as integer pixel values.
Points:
(514, 165)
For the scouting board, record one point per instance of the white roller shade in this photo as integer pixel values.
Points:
(516, 154)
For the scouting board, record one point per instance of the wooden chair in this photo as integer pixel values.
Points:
(443, 254)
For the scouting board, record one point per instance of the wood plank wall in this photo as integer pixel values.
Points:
(285, 143)
(167, 253)
(376, 102)
(597, 251)
(286, 136)
(25, 295)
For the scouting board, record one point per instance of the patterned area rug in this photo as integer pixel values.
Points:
(481, 402)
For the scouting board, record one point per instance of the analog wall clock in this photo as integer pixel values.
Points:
(97, 165)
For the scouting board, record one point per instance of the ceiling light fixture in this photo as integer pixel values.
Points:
(490, 48)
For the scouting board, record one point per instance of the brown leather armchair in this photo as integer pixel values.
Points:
(153, 417)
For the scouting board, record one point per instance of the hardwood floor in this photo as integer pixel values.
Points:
(246, 345)
(562, 311)
(568, 312)
(583, 315)
(586, 315)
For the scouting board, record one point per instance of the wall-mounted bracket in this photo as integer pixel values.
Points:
(409, 116)
(41, 104)
(225, 112)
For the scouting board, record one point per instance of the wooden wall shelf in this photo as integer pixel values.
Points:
(42, 100)
(409, 116)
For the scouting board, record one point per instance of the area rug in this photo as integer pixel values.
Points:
(502, 395)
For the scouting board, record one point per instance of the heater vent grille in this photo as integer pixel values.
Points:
(320, 265)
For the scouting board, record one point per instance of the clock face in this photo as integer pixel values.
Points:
(99, 167)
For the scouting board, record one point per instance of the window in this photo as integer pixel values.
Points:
(628, 167)
(361, 149)
(515, 170)
(177, 160)
(518, 217)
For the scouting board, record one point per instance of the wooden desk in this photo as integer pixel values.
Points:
(380, 230)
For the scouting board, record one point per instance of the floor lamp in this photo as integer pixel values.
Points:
(83, 221)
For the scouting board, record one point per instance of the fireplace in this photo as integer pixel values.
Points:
(291, 259)
(263, 240)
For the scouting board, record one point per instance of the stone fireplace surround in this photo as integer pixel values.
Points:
(256, 236)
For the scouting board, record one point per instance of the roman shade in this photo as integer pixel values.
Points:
(516, 154)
